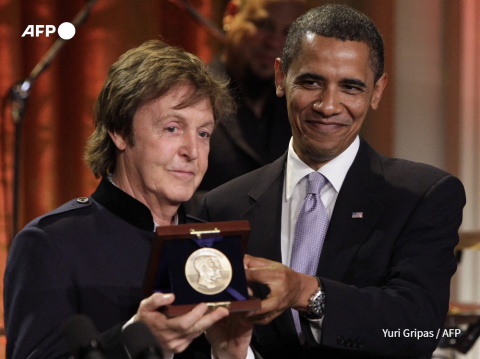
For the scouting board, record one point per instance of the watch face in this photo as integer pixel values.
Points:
(317, 309)
(317, 304)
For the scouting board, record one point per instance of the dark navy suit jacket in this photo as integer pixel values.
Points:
(86, 257)
(390, 269)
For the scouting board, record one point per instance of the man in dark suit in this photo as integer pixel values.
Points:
(380, 287)
(153, 120)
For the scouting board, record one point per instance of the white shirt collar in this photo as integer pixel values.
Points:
(335, 170)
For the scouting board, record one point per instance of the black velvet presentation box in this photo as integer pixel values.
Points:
(171, 249)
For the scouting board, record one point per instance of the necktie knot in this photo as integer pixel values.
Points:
(316, 181)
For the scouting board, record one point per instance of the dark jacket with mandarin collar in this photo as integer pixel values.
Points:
(86, 257)
(390, 269)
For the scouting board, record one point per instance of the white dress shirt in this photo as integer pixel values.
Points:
(295, 190)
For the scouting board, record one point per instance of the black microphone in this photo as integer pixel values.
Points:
(82, 338)
(140, 342)
(466, 341)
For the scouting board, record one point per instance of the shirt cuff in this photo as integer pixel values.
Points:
(316, 327)
(131, 321)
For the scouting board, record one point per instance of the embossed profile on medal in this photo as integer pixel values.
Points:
(208, 271)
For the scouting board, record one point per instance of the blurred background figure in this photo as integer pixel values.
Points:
(259, 132)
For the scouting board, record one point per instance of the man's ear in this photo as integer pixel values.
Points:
(378, 91)
(280, 77)
(118, 140)
(231, 10)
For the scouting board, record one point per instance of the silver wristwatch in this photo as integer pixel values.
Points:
(316, 304)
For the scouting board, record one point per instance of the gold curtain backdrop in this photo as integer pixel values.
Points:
(58, 119)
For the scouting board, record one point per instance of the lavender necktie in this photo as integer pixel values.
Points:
(310, 230)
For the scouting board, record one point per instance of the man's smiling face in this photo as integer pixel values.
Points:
(329, 88)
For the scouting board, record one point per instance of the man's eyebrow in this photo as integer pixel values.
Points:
(208, 123)
(355, 82)
(312, 76)
(182, 118)
(309, 76)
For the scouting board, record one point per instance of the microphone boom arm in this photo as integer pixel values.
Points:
(18, 96)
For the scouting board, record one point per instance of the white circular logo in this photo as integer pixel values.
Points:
(66, 31)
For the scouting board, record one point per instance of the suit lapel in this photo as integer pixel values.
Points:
(266, 212)
(345, 234)
(265, 220)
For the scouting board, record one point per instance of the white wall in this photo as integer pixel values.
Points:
(419, 106)
(420, 122)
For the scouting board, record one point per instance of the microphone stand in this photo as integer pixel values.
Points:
(213, 29)
(18, 96)
(466, 341)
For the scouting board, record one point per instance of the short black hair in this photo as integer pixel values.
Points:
(340, 22)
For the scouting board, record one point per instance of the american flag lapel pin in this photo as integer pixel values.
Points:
(357, 214)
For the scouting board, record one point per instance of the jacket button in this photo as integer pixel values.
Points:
(348, 342)
(82, 200)
(340, 340)
(360, 343)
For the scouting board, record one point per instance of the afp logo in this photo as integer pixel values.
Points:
(66, 30)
